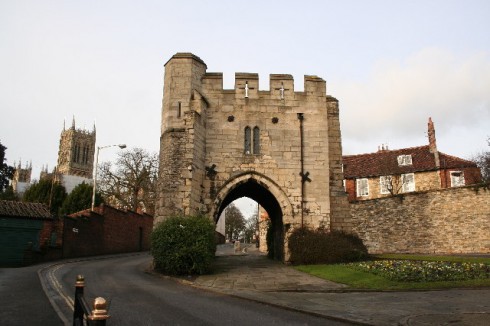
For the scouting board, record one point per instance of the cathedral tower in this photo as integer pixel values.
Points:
(22, 177)
(76, 152)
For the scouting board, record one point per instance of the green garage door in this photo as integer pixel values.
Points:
(15, 236)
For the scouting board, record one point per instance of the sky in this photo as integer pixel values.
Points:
(391, 64)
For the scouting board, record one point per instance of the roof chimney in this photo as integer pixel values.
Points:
(431, 132)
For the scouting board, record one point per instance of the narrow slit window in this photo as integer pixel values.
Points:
(248, 140)
(179, 110)
(256, 140)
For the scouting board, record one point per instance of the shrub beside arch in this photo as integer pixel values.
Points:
(308, 246)
(183, 245)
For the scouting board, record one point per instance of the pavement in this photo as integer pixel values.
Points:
(249, 274)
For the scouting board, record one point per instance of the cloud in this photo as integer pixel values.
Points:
(398, 97)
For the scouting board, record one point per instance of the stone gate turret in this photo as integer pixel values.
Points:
(280, 147)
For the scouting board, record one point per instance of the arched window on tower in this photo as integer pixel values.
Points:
(76, 153)
(248, 140)
(85, 154)
(252, 140)
(256, 140)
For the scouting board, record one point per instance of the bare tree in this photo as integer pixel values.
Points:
(483, 161)
(234, 222)
(252, 227)
(131, 183)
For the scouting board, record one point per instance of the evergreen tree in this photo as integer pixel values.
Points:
(8, 194)
(6, 172)
(47, 192)
(80, 199)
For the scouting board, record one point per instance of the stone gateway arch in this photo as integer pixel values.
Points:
(279, 147)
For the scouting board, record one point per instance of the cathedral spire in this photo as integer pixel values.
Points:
(73, 123)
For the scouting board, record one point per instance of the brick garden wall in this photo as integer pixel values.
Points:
(106, 231)
(453, 220)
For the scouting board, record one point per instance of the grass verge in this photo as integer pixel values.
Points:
(363, 280)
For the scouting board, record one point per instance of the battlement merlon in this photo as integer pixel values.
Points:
(280, 85)
(247, 84)
(315, 86)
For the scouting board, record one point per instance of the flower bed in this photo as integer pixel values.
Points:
(423, 271)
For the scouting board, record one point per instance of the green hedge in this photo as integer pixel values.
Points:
(308, 246)
(183, 245)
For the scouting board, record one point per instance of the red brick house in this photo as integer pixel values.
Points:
(390, 172)
(106, 230)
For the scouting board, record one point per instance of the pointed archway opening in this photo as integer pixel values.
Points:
(259, 193)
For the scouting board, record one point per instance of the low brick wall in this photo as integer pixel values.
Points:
(453, 220)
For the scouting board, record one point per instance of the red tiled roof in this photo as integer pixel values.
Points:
(453, 162)
(24, 210)
(385, 162)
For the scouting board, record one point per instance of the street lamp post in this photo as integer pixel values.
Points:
(121, 146)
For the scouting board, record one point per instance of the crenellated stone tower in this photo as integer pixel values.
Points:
(76, 152)
(279, 147)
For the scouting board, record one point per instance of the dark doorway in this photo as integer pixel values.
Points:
(258, 192)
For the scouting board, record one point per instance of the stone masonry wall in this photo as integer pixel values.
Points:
(453, 220)
(230, 112)
(340, 219)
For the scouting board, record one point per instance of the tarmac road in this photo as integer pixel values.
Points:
(22, 299)
(139, 298)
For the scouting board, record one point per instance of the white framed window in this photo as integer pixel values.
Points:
(457, 179)
(362, 187)
(385, 184)
(408, 182)
(404, 160)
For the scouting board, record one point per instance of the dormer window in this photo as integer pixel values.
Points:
(404, 160)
